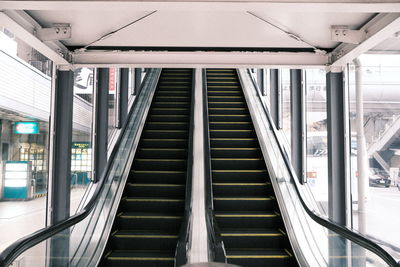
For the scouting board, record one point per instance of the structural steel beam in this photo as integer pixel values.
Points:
(123, 96)
(378, 30)
(273, 6)
(275, 97)
(149, 59)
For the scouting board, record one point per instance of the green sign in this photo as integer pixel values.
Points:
(81, 145)
(26, 127)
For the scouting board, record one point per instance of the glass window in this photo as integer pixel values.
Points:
(375, 149)
(286, 116)
(81, 151)
(317, 140)
(25, 95)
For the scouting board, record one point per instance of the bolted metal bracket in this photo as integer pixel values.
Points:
(59, 31)
(342, 33)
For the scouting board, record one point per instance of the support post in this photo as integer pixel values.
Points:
(60, 188)
(275, 96)
(100, 123)
(297, 104)
(337, 162)
(261, 78)
(123, 96)
(138, 80)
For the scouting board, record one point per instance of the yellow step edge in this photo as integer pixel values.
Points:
(135, 171)
(242, 184)
(177, 86)
(152, 200)
(230, 122)
(167, 122)
(247, 131)
(245, 215)
(229, 115)
(169, 115)
(170, 109)
(228, 103)
(164, 149)
(163, 139)
(257, 256)
(157, 185)
(166, 131)
(172, 97)
(149, 217)
(233, 139)
(145, 236)
(227, 108)
(256, 171)
(244, 159)
(223, 86)
(224, 82)
(224, 96)
(140, 258)
(252, 234)
(163, 160)
(235, 148)
(243, 198)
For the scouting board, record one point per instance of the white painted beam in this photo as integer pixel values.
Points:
(211, 5)
(28, 37)
(199, 59)
(378, 30)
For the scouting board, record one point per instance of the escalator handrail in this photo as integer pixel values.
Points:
(184, 235)
(212, 227)
(8, 255)
(327, 223)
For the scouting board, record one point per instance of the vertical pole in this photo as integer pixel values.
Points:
(297, 104)
(337, 162)
(275, 94)
(61, 168)
(138, 80)
(123, 95)
(101, 123)
(261, 81)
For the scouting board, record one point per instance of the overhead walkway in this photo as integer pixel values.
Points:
(256, 212)
(246, 210)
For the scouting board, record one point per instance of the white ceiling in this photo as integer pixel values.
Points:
(199, 28)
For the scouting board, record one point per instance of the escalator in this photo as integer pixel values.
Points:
(150, 214)
(246, 211)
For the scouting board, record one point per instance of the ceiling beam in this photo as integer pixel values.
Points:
(25, 34)
(380, 28)
(151, 59)
(295, 6)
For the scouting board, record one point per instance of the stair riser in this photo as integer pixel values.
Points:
(226, 99)
(169, 104)
(248, 222)
(260, 262)
(162, 154)
(168, 225)
(171, 178)
(237, 164)
(230, 126)
(164, 144)
(160, 165)
(167, 126)
(238, 111)
(176, 111)
(166, 134)
(226, 104)
(139, 263)
(253, 241)
(230, 118)
(242, 190)
(169, 118)
(225, 93)
(179, 99)
(239, 177)
(152, 191)
(137, 243)
(235, 153)
(152, 206)
(243, 205)
(232, 134)
(233, 143)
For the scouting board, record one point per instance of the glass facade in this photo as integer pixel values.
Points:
(25, 96)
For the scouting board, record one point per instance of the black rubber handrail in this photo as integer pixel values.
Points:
(184, 234)
(8, 255)
(327, 223)
(214, 235)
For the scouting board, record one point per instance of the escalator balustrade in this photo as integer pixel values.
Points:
(146, 228)
(246, 211)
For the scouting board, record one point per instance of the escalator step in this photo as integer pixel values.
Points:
(142, 176)
(243, 203)
(143, 240)
(146, 204)
(253, 238)
(167, 222)
(140, 258)
(242, 189)
(160, 164)
(156, 190)
(259, 257)
(237, 163)
(162, 153)
(235, 152)
(236, 220)
(235, 176)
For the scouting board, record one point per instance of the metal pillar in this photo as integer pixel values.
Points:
(138, 80)
(60, 186)
(298, 142)
(100, 124)
(337, 162)
(123, 96)
(261, 81)
(275, 97)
